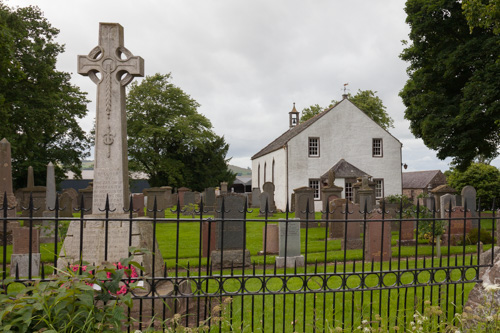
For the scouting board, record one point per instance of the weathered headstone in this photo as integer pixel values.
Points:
(209, 200)
(169, 200)
(21, 252)
(270, 239)
(330, 193)
(377, 238)
(337, 218)
(160, 194)
(230, 234)
(138, 202)
(6, 183)
(460, 223)
(47, 228)
(256, 197)
(469, 200)
(268, 188)
(223, 188)
(117, 67)
(88, 197)
(37, 193)
(73, 195)
(289, 244)
(352, 238)
(180, 192)
(66, 205)
(445, 204)
(209, 244)
(304, 206)
(366, 195)
(189, 198)
(265, 205)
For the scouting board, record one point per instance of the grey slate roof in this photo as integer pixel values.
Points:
(285, 137)
(419, 179)
(344, 169)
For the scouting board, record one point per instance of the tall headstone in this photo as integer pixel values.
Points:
(366, 195)
(445, 204)
(160, 195)
(209, 200)
(37, 193)
(138, 202)
(66, 205)
(336, 217)
(47, 229)
(267, 196)
(289, 244)
(304, 206)
(21, 249)
(270, 239)
(378, 238)
(6, 181)
(352, 238)
(230, 232)
(180, 192)
(189, 198)
(117, 67)
(256, 197)
(330, 192)
(469, 200)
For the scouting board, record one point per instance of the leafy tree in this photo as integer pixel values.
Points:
(365, 100)
(169, 140)
(485, 179)
(452, 96)
(483, 14)
(38, 105)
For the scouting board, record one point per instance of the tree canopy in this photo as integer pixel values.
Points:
(365, 100)
(483, 14)
(452, 96)
(39, 107)
(485, 179)
(169, 140)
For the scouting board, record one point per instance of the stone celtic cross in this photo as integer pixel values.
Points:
(111, 67)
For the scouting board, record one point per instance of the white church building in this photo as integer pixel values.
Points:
(342, 138)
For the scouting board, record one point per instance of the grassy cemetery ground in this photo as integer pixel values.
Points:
(386, 308)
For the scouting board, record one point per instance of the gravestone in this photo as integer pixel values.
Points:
(117, 67)
(270, 239)
(378, 238)
(37, 193)
(269, 188)
(223, 188)
(66, 205)
(88, 197)
(304, 200)
(189, 198)
(138, 202)
(460, 223)
(209, 200)
(209, 244)
(265, 204)
(445, 203)
(330, 193)
(6, 184)
(256, 197)
(21, 252)
(160, 194)
(73, 195)
(47, 228)
(180, 196)
(468, 195)
(336, 218)
(366, 195)
(230, 232)
(352, 238)
(289, 244)
(169, 200)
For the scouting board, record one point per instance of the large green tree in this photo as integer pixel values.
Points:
(169, 140)
(39, 107)
(485, 179)
(365, 100)
(452, 96)
(483, 13)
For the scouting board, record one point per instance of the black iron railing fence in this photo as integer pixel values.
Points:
(338, 285)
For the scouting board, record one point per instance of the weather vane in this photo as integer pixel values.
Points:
(345, 87)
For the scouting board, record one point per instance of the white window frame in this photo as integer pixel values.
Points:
(379, 188)
(349, 193)
(313, 147)
(377, 147)
(314, 184)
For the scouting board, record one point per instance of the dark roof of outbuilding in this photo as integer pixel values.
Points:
(344, 169)
(419, 179)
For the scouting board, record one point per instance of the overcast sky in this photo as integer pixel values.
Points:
(246, 62)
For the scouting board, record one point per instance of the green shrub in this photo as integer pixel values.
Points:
(93, 300)
(471, 237)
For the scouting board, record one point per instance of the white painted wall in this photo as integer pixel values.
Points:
(345, 132)
(280, 174)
